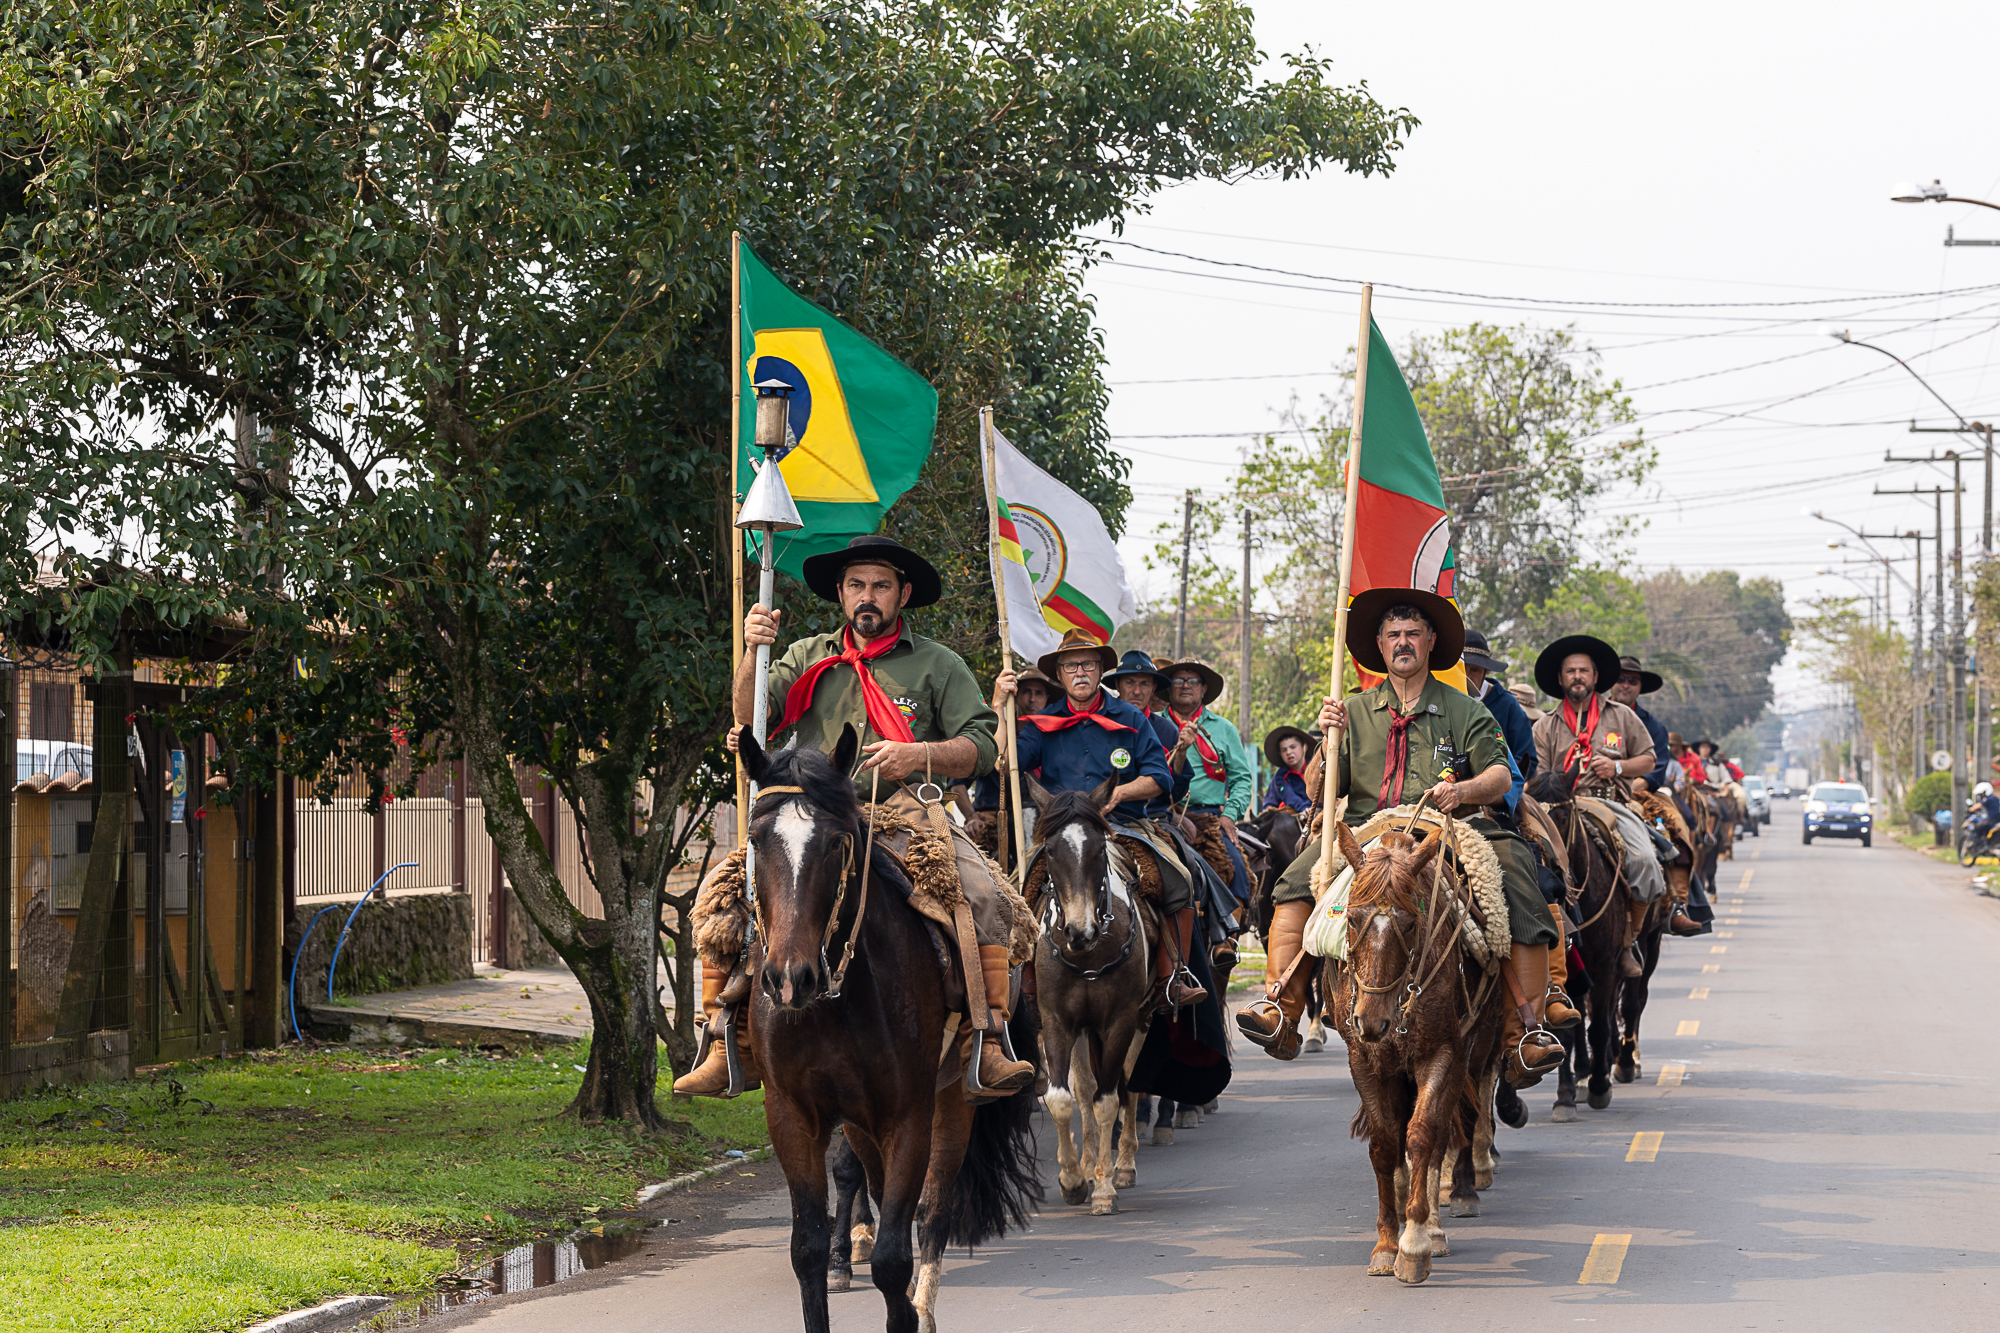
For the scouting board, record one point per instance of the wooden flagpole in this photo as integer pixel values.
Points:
(1011, 802)
(1329, 779)
(736, 508)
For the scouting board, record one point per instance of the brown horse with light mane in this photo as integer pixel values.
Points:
(1422, 1023)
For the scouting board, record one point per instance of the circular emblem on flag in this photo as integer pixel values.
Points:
(1428, 566)
(1042, 547)
(1121, 759)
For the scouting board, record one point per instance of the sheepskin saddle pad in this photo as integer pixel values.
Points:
(1470, 853)
(929, 860)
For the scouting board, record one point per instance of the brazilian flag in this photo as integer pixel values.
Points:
(861, 421)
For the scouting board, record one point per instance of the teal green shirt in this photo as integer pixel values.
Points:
(1237, 786)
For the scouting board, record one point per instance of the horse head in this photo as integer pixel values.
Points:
(806, 837)
(1384, 925)
(1086, 869)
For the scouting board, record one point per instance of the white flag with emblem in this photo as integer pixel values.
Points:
(1060, 566)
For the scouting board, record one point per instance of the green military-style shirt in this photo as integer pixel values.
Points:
(931, 685)
(1449, 732)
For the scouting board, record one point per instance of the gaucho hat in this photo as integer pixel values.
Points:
(1649, 681)
(823, 571)
(1548, 667)
(1278, 735)
(1074, 640)
(1364, 617)
(1477, 654)
(1136, 663)
(1211, 679)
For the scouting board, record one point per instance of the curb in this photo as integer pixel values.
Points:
(319, 1316)
(648, 1193)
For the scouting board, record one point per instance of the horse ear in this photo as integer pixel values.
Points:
(1349, 848)
(755, 762)
(1102, 796)
(1427, 851)
(845, 749)
(1037, 794)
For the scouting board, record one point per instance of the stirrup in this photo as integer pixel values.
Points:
(731, 1053)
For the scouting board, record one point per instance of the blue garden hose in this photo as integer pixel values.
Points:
(294, 988)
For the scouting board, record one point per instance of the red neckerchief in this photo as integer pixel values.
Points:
(884, 718)
(1211, 761)
(1396, 766)
(1048, 722)
(1579, 749)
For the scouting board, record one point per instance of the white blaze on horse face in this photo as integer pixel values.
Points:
(793, 828)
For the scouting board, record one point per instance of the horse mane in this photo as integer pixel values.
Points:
(1382, 876)
(825, 786)
(1063, 808)
(1552, 786)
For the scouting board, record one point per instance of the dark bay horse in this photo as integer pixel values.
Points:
(858, 1042)
(1596, 864)
(1094, 978)
(1422, 1025)
(1275, 838)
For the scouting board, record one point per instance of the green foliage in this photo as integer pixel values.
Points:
(398, 334)
(1590, 600)
(1872, 666)
(1715, 638)
(224, 1191)
(1928, 795)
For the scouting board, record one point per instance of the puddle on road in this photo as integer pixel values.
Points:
(542, 1263)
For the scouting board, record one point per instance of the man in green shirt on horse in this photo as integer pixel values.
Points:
(1408, 737)
(923, 718)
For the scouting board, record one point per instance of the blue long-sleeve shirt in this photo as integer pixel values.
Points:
(1287, 788)
(1657, 779)
(1082, 756)
(1516, 727)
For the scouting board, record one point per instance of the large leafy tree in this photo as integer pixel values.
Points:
(398, 331)
(1715, 638)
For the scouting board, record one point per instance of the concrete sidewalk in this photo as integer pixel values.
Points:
(514, 1008)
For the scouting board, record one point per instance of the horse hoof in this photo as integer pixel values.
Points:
(1483, 1180)
(1563, 1112)
(1465, 1207)
(839, 1281)
(1188, 1117)
(863, 1238)
(1382, 1263)
(1211, 1106)
(1077, 1193)
(1412, 1268)
(1313, 1044)
(1163, 1136)
(1625, 1073)
(1103, 1207)
(1600, 1100)
(1125, 1177)
(1440, 1246)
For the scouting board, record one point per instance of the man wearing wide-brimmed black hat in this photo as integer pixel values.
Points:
(1140, 682)
(921, 716)
(1600, 740)
(1480, 668)
(1288, 750)
(1409, 737)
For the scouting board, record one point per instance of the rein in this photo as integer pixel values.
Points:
(837, 976)
(1053, 916)
(1575, 817)
(1414, 958)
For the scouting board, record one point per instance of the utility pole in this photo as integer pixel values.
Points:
(1243, 637)
(1187, 542)
(1982, 705)
(1948, 725)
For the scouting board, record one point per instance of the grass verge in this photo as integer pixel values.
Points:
(218, 1192)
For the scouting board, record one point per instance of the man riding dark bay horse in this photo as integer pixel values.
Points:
(922, 706)
(1633, 681)
(1407, 737)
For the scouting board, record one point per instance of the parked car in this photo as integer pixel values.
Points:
(1760, 802)
(54, 758)
(1839, 810)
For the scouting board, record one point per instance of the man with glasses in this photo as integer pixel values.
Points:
(1220, 784)
(1090, 738)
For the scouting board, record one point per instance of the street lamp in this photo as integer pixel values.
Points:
(1909, 192)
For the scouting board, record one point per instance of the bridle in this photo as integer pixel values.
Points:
(1413, 959)
(1572, 817)
(1054, 919)
(837, 976)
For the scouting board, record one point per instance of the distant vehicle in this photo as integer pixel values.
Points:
(54, 758)
(1839, 810)
(1760, 801)
(1797, 780)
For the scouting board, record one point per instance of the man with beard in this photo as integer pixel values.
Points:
(919, 711)
(1408, 737)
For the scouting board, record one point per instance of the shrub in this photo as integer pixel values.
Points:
(1930, 794)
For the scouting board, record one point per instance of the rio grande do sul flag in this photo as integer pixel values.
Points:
(861, 421)
(1402, 533)
(1059, 566)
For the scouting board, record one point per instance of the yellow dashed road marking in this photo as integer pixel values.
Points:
(1732, 921)
(1607, 1257)
(1672, 1075)
(1718, 948)
(1725, 934)
(1645, 1146)
(1711, 967)
(1690, 1027)
(1744, 883)
(1698, 993)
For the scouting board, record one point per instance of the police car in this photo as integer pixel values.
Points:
(1839, 810)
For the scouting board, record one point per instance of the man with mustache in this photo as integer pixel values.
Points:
(920, 713)
(1408, 737)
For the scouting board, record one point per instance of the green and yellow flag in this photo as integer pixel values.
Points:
(861, 420)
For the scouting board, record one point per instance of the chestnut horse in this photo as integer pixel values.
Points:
(859, 1043)
(1422, 1024)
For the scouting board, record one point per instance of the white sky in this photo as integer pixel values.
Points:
(1701, 153)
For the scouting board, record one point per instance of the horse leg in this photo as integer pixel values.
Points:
(1107, 1108)
(951, 1132)
(799, 1143)
(1061, 1102)
(1386, 1111)
(1127, 1174)
(1418, 1242)
(1564, 1110)
(1482, 1135)
(1458, 1160)
(905, 1164)
(1163, 1124)
(1637, 991)
(850, 1182)
(1603, 1027)
(1083, 1082)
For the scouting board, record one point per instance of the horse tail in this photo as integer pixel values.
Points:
(999, 1185)
(1358, 1128)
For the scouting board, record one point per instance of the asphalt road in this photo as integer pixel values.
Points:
(1829, 1158)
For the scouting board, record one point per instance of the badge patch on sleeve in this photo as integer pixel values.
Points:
(1121, 759)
